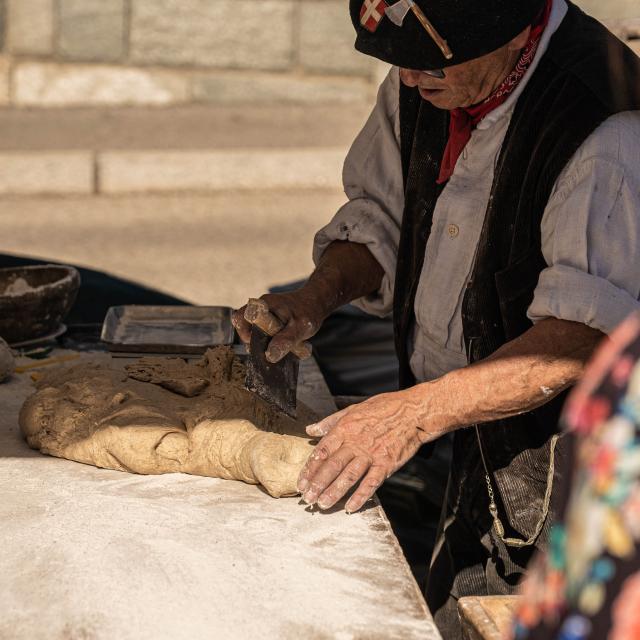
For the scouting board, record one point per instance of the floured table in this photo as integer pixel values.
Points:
(95, 554)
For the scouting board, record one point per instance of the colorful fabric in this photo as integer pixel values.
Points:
(587, 585)
(464, 121)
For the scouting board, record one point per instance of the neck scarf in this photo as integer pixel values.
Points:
(464, 121)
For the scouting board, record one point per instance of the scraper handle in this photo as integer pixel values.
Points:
(257, 313)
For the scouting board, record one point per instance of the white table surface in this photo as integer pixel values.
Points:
(92, 554)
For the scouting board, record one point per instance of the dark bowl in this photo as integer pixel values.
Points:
(35, 300)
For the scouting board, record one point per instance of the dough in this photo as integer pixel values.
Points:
(7, 362)
(163, 415)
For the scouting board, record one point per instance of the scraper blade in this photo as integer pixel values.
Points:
(275, 383)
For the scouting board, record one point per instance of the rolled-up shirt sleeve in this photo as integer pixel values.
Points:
(373, 184)
(591, 232)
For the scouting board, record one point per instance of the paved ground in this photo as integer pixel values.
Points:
(217, 249)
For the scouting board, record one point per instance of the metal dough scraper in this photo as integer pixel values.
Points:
(275, 383)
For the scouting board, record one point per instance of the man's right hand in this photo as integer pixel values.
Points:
(299, 311)
(345, 271)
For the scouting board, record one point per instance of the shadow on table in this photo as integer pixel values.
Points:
(10, 448)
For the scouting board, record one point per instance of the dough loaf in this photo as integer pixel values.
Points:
(163, 415)
(7, 362)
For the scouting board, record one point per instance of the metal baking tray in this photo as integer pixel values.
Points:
(166, 329)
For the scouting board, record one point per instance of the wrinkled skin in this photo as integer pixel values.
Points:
(297, 311)
(369, 442)
(331, 285)
(469, 83)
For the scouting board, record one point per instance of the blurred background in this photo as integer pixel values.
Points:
(191, 145)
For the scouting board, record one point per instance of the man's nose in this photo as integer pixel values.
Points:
(410, 77)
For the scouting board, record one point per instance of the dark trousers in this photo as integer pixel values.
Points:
(469, 559)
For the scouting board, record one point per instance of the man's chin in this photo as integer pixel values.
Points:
(437, 97)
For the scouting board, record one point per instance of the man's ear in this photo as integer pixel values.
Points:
(520, 40)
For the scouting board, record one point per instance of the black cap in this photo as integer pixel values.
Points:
(472, 28)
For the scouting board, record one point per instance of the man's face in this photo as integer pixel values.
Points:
(468, 83)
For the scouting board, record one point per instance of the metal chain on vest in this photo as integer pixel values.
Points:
(498, 527)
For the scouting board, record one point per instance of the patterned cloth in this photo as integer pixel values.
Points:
(587, 586)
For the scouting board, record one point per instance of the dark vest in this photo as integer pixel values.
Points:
(585, 76)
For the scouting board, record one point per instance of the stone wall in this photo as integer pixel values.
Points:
(163, 52)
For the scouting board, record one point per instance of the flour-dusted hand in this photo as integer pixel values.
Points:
(300, 313)
(365, 443)
(345, 271)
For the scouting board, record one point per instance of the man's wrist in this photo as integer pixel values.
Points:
(434, 410)
(322, 298)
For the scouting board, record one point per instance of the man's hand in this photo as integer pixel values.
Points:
(370, 441)
(300, 313)
(346, 271)
(364, 443)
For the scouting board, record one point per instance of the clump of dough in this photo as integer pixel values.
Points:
(7, 361)
(164, 415)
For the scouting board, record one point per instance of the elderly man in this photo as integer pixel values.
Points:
(494, 209)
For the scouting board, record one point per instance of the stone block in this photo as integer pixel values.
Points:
(5, 68)
(29, 27)
(213, 33)
(171, 171)
(249, 88)
(69, 172)
(91, 30)
(326, 39)
(611, 10)
(49, 85)
(3, 22)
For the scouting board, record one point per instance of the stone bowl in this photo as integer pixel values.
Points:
(35, 300)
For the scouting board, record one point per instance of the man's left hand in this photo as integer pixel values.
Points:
(366, 442)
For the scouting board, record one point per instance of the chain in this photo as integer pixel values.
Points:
(493, 507)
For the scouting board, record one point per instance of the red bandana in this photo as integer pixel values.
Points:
(464, 121)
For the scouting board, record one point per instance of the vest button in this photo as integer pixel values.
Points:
(454, 230)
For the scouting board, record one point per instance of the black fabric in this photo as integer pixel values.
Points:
(426, 138)
(471, 28)
(586, 76)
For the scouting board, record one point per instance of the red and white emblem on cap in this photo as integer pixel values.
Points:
(372, 13)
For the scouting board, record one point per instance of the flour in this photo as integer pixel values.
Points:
(18, 288)
(93, 553)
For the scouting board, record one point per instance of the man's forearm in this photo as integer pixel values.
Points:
(368, 442)
(521, 376)
(346, 271)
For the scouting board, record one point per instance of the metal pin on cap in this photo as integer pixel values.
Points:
(398, 12)
(431, 30)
